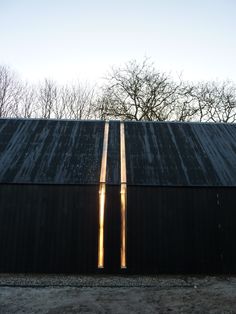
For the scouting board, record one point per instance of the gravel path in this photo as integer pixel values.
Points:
(116, 294)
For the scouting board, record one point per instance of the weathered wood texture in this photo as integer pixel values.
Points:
(181, 230)
(48, 228)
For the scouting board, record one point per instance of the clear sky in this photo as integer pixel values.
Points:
(69, 39)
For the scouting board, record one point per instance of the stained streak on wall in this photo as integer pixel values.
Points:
(50, 151)
(180, 154)
(180, 204)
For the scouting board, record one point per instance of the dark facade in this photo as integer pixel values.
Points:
(49, 174)
(181, 209)
(48, 228)
(181, 230)
(181, 205)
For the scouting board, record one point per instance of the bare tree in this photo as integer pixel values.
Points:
(131, 92)
(61, 104)
(11, 90)
(74, 102)
(138, 92)
(47, 98)
(81, 106)
(183, 108)
(27, 106)
(226, 109)
(216, 101)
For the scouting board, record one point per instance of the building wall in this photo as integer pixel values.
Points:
(112, 230)
(54, 229)
(181, 230)
(48, 228)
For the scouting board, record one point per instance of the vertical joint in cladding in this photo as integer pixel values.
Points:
(123, 193)
(102, 198)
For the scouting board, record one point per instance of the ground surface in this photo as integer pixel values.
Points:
(114, 294)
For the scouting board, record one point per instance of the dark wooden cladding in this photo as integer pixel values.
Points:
(112, 229)
(50, 151)
(180, 154)
(227, 205)
(181, 230)
(113, 154)
(181, 209)
(158, 154)
(48, 229)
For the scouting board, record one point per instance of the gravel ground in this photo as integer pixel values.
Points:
(116, 294)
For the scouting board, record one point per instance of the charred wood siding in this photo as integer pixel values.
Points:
(113, 155)
(181, 154)
(181, 230)
(112, 230)
(48, 228)
(50, 152)
(112, 211)
(181, 180)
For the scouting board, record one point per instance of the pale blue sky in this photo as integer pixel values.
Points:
(70, 39)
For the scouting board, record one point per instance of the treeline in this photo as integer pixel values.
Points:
(135, 91)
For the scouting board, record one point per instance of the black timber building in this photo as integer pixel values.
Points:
(181, 206)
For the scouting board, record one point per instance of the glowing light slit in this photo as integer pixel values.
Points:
(102, 198)
(123, 194)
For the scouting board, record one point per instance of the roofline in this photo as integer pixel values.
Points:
(52, 119)
(124, 121)
(181, 122)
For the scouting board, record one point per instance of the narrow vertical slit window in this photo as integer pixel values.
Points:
(123, 195)
(102, 198)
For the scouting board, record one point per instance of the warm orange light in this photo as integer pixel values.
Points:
(102, 198)
(123, 195)
(123, 225)
(102, 195)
